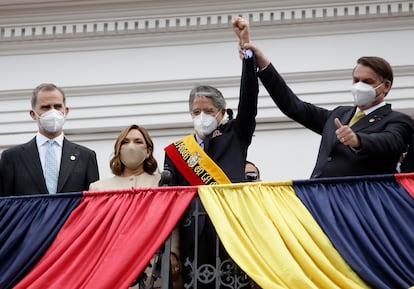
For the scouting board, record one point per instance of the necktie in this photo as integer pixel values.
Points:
(360, 114)
(51, 168)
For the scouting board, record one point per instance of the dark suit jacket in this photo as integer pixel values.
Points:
(384, 133)
(22, 174)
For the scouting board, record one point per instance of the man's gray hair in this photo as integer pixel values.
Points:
(210, 92)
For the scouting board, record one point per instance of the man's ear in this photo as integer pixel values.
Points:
(32, 114)
(387, 86)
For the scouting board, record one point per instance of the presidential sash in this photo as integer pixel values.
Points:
(194, 164)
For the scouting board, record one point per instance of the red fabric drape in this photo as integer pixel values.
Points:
(109, 238)
(407, 180)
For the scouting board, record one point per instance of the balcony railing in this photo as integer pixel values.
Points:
(222, 273)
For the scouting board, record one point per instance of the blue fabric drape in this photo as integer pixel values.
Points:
(28, 225)
(370, 221)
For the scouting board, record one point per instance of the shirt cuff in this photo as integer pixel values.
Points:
(248, 54)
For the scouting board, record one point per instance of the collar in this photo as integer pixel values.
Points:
(199, 140)
(372, 108)
(41, 139)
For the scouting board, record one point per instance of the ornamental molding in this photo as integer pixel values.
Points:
(133, 26)
(177, 85)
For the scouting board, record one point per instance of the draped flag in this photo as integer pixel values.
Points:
(355, 232)
(85, 240)
(351, 232)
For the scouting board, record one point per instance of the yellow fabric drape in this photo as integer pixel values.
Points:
(271, 235)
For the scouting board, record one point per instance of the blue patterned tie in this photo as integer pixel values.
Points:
(51, 168)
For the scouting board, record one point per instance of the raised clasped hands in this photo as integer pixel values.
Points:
(241, 28)
(346, 135)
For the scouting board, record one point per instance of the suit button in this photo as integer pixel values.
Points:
(329, 159)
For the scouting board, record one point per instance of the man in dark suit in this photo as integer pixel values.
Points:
(22, 168)
(372, 145)
(214, 154)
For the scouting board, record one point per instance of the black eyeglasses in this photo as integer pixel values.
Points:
(251, 176)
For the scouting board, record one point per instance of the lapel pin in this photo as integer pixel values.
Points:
(375, 118)
(72, 158)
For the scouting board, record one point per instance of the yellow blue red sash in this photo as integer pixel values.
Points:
(194, 164)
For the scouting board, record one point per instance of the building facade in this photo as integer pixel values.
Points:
(124, 62)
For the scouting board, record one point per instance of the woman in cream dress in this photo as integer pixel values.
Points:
(133, 166)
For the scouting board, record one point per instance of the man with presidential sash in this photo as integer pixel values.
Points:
(214, 154)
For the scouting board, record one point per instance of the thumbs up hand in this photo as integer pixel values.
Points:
(346, 135)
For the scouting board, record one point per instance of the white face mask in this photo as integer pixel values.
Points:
(205, 124)
(52, 120)
(132, 155)
(364, 93)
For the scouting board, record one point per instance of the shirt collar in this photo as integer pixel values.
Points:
(198, 139)
(372, 108)
(41, 139)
